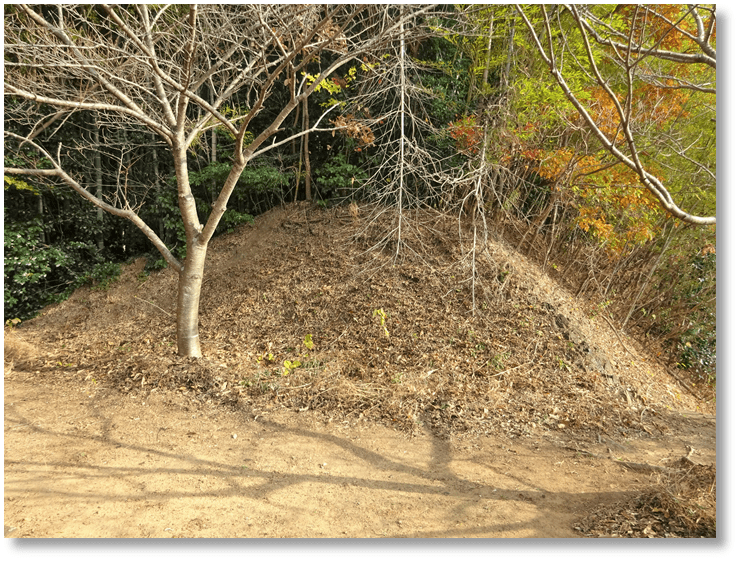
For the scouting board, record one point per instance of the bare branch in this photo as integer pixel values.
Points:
(633, 160)
(59, 172)
(707, 56)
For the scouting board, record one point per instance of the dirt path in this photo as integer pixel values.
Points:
(82, 462)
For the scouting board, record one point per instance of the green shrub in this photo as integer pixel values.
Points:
(232, 218)
(337, 176)
(38, 274)
(101, 276)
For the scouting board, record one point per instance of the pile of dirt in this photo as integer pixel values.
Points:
(300, 312)
(400, 346)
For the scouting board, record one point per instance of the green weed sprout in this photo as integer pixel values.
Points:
(383, 318)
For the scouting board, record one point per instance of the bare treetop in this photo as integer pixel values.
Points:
(148, 65)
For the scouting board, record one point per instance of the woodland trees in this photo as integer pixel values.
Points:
(584, 135)
(633, 148)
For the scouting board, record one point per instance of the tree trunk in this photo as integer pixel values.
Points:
(306, 148)
(191, 275)
(188, 301)
(98, 181)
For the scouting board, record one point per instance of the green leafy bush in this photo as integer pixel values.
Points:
(337, 176)
(232, 218)
(38, 274)
(101, 276)
(168, 211)
(28, 268)
(696, 292)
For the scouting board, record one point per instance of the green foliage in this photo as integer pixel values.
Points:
(446, 94)
(695, 291)
(101, 276)
(261, 179)
(308, 342)
(169, 213)
(38, 274)
(11, 181)
(214, 171)
(289, 365)
(338, 174)
(699, 352)
(50, 242)
(266, 358)
(233, 218)
(28, 264)
(445, 80)
(333, 87)
(383, 318)
(328, 85)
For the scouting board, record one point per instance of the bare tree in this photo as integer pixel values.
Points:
(407, 173)
(413, 180)
(656, 47)
(174, 70)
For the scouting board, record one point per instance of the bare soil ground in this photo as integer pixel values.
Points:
(407, 417)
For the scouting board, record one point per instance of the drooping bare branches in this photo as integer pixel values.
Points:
(388, 117)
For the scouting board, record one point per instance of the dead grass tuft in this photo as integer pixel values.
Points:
(18, 354)
(681, 504)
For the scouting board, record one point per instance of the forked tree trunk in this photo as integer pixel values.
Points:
(191, 274)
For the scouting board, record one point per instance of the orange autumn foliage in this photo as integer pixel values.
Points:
(667, 24)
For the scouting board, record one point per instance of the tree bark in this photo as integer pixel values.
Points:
(191, 274)
(306, 149)
(98, 180)
(188, 301)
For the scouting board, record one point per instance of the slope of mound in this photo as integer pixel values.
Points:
(396, 343)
